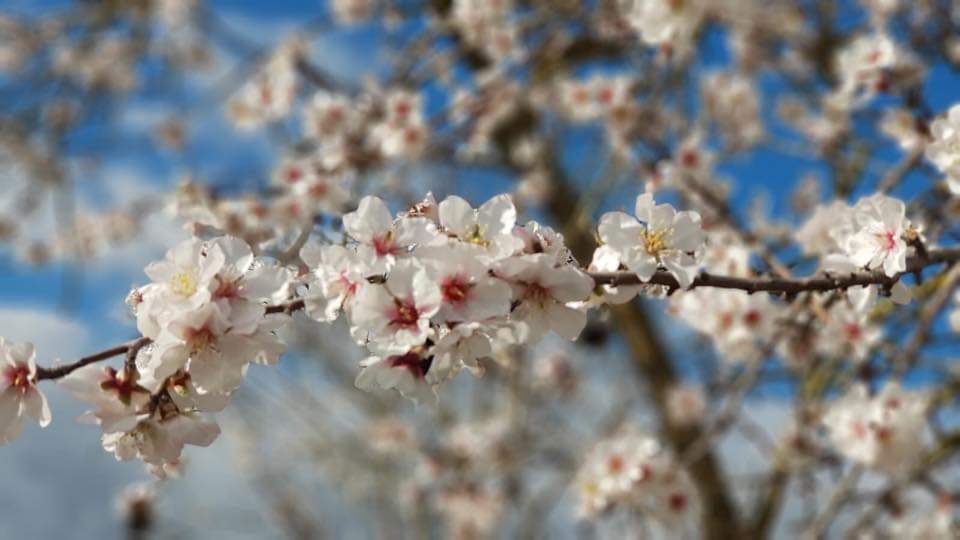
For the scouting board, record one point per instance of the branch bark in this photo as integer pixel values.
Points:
(788, 286)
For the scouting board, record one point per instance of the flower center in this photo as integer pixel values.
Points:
(655, 241)
(883, 434)
(294, 174)
(475, 236)
(677, 502)
(889, 240)
(455, 289)
(199, 339)
(384, 245)
(412, 362)
(184, 283)
(853, 331)
(227, 288)
(350, 288)
(405, 314)
(124, 386)
(18, 377)
(537, 293)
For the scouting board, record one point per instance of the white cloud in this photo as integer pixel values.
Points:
(54, 335)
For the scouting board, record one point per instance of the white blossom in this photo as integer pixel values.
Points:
(944, 149)
(885, 431)
(658, 236)
(19, 396)
(381, 241)
(878, 240)
(337, 274)
(543, 291)
(395, 316)
(488, 228)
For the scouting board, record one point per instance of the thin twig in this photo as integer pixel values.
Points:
(784, 285)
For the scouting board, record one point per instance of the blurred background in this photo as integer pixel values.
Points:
(90, 158)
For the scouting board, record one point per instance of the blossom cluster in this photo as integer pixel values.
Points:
(944, 150)
(462, 475)
(873, 234)
(439, 287)
(633, 470)
(883, 431)
(204, 315)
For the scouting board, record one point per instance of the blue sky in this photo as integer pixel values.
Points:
(73, 309)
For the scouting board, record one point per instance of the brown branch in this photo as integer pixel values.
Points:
(131, 348)
(785, 285)
(64, 370)
(288, 308)
(772, 285)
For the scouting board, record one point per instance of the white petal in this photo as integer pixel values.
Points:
(35, 406)
(456, 214)
(641, 263)
(371, 218)
(568, 284)
(565, 321)
(11, 423)
(498, 215)
(620, 231)
(264, 282)
(644, 207)
(901, 294)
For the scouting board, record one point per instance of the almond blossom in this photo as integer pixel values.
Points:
(468, 292)
(543, 292)
(665, 23)
(382, 242)
(204, 342)
(879, 238)
(489, 228)
(403, 372)
(849, 333)
(159, 438)
(117, 396)
(658, 236)
(19, 396)
(882, 431)
(395, 316)
(181, 282)
(827, 229)
(337, 275)
(558, 108)
(209, 315)
(944, 149)
(269, 95)
(739, 324)
(352, 11)
(634, 470)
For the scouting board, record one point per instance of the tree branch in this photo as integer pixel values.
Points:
(749, 285)
(131, 348)
(785, 285)
(64, 370)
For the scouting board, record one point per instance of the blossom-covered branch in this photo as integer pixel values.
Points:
(664, 278)
(449, 285)
(786, 286)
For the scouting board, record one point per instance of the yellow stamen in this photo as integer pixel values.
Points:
(475, 236)
(184, 283)
(655, 241)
